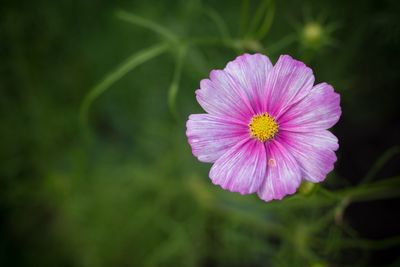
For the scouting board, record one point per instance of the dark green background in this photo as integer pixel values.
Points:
(125, 190)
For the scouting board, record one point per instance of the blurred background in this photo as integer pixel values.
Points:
(95, 166)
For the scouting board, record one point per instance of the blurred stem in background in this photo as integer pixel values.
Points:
(258, 28)
(251, 34)
(141, 199)
(174, 87)
(132, 62)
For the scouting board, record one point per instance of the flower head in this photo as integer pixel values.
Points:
(266, 126)
(312, 32)
(315, 35)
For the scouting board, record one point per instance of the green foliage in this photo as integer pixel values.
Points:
(128, 192)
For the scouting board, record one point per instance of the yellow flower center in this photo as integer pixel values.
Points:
(263, 127)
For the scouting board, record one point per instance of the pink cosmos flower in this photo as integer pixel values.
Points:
(265, 128)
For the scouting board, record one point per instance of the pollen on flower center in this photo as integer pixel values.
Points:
(263, 127)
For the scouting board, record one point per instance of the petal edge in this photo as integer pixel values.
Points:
(242, 168)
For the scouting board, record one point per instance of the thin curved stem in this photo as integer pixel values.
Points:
(262, 20)
(132, 18)
(281, 44)
(378, 165)
(384, 189)
(371, 244)
(219, 22)
(174, 87)
(133, 61)
(244, 14)
(267, 22)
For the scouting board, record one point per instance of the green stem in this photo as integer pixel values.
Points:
(174, 87)
(244, 14)
(267, 23)
(133, 61)
(387, 188)
(123, 15)
(257, 18)
(382, 160)
(219, 22)
(371, 244)
(281, 44)
(328, 193)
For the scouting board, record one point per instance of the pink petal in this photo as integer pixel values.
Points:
(210, 136)
(242, 168)
(283, 175)
(288, 82)
(313, 151)
(250, 72)
(221, 95)
(319, 110)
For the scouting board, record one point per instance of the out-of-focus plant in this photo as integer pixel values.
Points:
(307, 229)
(129, 193)
(249, 40)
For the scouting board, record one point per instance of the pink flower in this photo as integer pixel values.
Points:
(266, 126)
